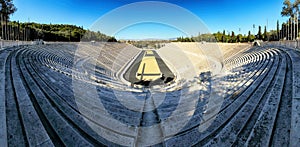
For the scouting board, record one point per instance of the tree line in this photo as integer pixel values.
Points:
(288, 30)
(231, 37)
(14, 30)
(50, 32)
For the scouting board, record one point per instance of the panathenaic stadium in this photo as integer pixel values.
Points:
(183, 94)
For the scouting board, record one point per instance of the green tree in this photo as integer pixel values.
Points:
(278, 30)
(265, 36)
(283, 30)
(224, 36)
(272, 35)
(249, 36)
(290, 9)
(218, 36)
(112, 39)
(239, 38)
(7, 8)
(233, 39)
(259, 35)
(287, 9)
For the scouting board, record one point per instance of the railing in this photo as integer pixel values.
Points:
(295, 44)
(7, 43)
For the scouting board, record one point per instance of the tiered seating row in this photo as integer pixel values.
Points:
(49, 97)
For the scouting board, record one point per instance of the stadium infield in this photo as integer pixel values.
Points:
(155, 67)
(148, 69)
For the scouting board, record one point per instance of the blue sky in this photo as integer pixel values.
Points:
(217, 15)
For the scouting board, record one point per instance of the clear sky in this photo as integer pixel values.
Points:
(218, 15)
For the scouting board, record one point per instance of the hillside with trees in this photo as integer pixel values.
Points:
(13, 30)
(53, 32)
(231, 37)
